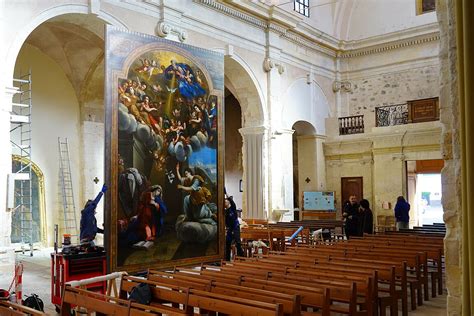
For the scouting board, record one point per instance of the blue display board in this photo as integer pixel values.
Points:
(319, 201)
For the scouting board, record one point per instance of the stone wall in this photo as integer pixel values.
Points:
(379, 157)
(451, 150)
(393, 88)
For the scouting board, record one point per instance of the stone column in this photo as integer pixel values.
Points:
(282, 169)
(253, 184)
(5, 163)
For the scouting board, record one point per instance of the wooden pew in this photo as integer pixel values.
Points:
(413, 282)
(311, 290)
(433, 245)
(337, 283)
(8, 308)
(333, 271)
(291, 303)
(394, 274)
(204, 300)
(100, 303)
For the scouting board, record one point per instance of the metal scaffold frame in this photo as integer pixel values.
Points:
(20, 138)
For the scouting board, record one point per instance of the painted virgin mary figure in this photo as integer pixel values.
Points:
(188, 86)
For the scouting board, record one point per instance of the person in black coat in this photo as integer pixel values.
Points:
(351, 216)
(366, 218)
(233, 228)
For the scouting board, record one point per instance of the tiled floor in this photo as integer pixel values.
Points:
(37, 278)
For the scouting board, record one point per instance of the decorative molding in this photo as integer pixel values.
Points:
(253, 130)
(233, 13)
(343, 86)
(305, 36)
(163, 29)
(349, 156)
(310, 44)
(385, 47)
(269, 64)
(314, 136)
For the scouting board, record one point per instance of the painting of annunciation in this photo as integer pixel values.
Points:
(164, 104)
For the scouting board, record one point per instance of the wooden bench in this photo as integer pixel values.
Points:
(204, 300)
(103, 304)
(8, 308)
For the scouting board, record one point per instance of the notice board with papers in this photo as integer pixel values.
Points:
(319, 201)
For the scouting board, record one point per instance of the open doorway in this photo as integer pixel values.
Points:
(424, 191)
(233, 148)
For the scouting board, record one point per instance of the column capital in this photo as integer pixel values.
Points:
(253, 130)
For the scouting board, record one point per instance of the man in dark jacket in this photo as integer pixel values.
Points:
(233, 227)
(88, 221)
(350, 214)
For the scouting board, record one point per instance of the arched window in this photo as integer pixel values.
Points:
(38, 201)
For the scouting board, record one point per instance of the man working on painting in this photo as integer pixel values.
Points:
(89, 227)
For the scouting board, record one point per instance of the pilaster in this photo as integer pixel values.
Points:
(253, 178)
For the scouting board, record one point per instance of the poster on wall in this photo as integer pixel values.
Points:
(164, 110)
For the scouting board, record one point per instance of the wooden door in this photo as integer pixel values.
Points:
(351, 186)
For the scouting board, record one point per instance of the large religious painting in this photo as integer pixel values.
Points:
(163, 134)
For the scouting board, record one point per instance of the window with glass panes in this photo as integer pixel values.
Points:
(302, 7)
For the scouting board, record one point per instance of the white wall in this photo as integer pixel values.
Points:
(375, 17)
(305, 102)
(55, 112)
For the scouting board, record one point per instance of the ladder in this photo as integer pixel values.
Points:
(65, 180)
(20, 138)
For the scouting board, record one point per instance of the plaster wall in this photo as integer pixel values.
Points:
(311, 164)
(55, 114)
(371, 18)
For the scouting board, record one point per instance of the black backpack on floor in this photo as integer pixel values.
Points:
(34, 302)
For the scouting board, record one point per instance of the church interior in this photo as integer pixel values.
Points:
(241, 157)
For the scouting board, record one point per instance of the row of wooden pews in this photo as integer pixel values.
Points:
(361, 276)
(12, 309)
(276, 235)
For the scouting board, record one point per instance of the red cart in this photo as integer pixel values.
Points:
(72, 267)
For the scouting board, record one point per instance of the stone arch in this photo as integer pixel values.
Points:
(304, 128)
(305, 102)
(46, 15)
(242, 82)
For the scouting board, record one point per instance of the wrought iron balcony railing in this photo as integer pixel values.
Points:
(351, 125)
(391, 115)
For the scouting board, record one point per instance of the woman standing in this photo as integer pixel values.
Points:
(402, 209)
(366, 218)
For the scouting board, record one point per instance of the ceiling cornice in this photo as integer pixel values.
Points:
(293, 29)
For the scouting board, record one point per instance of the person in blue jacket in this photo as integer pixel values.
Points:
(402, 211)
(88, 223)
(233, 227)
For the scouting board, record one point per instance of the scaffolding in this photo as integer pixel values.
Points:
(20, 138)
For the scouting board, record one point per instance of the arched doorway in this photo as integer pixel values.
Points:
(305, 159)
(38, 211)
(242, 84)
(233, 148)
(65, 55)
